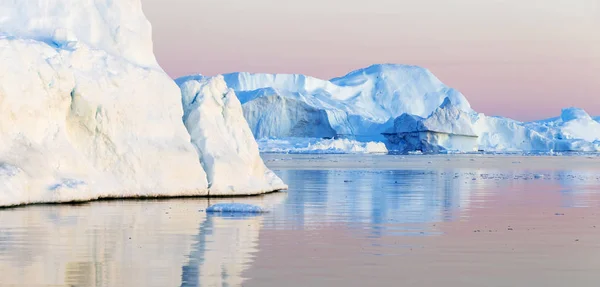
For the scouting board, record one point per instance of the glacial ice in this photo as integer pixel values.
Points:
(226, 148)
(361, 104)
(87, 113)
(408, 105)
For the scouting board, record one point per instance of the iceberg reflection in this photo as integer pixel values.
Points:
(128, 243)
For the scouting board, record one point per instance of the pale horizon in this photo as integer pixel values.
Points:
(526, 61)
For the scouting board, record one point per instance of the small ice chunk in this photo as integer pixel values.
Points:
(234, 208)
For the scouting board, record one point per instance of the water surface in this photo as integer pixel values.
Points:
(421, 226)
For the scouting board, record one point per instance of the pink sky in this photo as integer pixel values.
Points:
(521, 59)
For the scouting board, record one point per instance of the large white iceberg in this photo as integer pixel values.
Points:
(361, 104)
(86, 112)
(408, 105)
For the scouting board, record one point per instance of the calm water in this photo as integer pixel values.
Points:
(333, 227)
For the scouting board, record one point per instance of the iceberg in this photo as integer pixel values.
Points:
(573, 131)
(573, 123)
(200, 94)
(405, 106)
(451, 129)
(87, 112)
(361, 104)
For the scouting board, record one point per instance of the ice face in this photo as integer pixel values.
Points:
(226, 148)
(87, 113)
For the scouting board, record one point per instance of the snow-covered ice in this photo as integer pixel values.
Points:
(320, 146)
(86, 112)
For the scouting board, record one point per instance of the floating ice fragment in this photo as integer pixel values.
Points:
(234, 208)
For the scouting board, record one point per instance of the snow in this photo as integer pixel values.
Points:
(234, 208)
(86, 112)
(320, 146)
(362, 103)
(226, 148)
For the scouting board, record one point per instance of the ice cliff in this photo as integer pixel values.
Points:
(86, 111)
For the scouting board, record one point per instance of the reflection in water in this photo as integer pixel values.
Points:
(405, 202)
(372, 197)
(127, 243)
(223, 248)
(576, 188)
(175, 243)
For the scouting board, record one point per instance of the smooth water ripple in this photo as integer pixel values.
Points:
(332, 227)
